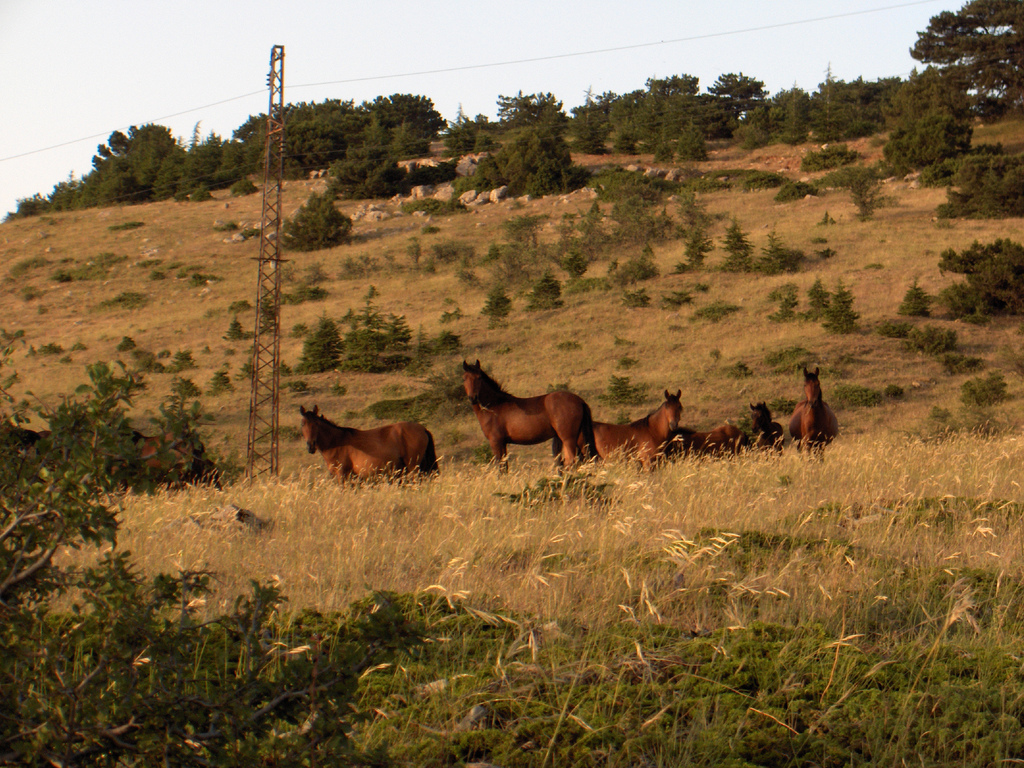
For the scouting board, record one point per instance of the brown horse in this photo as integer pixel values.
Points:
(813, 424)
(175, 460)
(644, 439)
(720, 441)
(397, 449)
(560, 416)
(770, 436)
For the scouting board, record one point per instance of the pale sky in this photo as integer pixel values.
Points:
(77, 70)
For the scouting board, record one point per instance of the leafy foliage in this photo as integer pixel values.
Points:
(832, 156)
(916, 302)
(974, 50)
(929, 140)
(545, 294)
(535, 162)
(317, 224)
(840, 316)
(984, 392)
(995, 279)
(986, 187)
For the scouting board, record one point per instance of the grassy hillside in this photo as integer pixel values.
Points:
(71, 280)
(864, 609)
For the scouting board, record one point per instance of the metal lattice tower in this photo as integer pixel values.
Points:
(262, 447)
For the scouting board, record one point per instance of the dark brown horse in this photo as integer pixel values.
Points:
(397, 449)
(813, 424)
(644, 439)
(770, 436)
(720, 441)
(560, 416)
(175, 459)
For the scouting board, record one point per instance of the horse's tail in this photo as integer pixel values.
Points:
(587, 432)
(428, 464)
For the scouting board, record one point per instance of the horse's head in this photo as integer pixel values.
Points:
(760, 416)
(673, 409)
(472, 380)
(310, 427)
(812, 386)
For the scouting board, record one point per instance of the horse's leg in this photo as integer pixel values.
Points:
(556, 453)
(499, 448)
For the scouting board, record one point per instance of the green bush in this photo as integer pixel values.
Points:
(931, 340)
(126, 300)
(984, 392)
(776, 258)
(995, 279)
(986, 187)
(931, 139)
(621, 391)
(855, 396)
(792, 191)
(434, 207)
(321, 349)
(317, 224)
(497, 306)
(955, 362)
(635, 269)
(832, 156)
(786, 296)
(535, 162)
(818, 300)
(753, 180)
(894, 329)
(840, 316)
(545, 294)
(636, 299)
(716, 311)
(243, 187)
(738, 246)
(789, 360)
(676, 299)
(916, 302)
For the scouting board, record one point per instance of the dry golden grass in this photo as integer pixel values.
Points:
(821, 540)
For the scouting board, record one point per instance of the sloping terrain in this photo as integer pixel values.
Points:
(170, 276)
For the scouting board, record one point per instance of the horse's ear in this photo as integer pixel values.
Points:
(679, 393)
(667, 396)
(316, 410)
(477, 364)
(815, 370)
(465, 365)
(753, 407)
(302, 411)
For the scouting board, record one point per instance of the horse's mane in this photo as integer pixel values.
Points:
(498, 390)
(324, 420)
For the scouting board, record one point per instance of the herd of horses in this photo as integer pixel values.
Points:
(566, 420)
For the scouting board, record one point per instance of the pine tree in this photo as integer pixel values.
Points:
(916, 302)
(497, 306)
(321, 351)
(546, 293)
(786, 295)
(739, 249)
(818, 299)
(698, 246)
(840, 316)
(317, 224)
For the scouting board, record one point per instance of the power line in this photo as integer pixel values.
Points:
(510, 62)
(617, 49)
